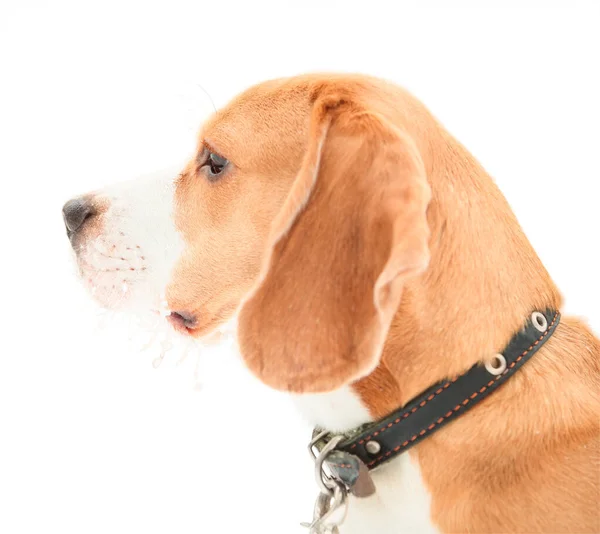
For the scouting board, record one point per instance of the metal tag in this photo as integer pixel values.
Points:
(352, 471)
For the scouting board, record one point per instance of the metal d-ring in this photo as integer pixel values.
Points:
(333, 493)
(324, 481)
(314, 441)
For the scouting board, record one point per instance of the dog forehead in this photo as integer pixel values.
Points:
(271, 110)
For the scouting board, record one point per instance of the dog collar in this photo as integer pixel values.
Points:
(349, 457)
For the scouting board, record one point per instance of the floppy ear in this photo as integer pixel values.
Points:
(352, 230)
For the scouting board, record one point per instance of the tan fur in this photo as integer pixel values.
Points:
(321, 216)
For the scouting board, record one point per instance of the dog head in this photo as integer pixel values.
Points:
(302, 214)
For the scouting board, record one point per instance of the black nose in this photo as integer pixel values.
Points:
(76, 212)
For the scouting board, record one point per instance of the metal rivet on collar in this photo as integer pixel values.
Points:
(497, 365)
(539, 321)
(373, 447)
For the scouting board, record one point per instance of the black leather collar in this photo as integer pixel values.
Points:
(379, 442)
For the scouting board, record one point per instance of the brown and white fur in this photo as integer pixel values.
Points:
(364, 255)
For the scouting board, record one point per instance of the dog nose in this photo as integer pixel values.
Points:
(76, 212)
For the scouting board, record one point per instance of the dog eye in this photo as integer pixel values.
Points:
(215, 165)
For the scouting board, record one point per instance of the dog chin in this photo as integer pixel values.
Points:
(123, 276)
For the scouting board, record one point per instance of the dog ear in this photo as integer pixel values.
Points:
(352, 230)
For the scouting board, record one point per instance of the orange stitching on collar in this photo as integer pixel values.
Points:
(406, 414)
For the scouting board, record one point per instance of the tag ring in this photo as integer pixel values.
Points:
(326, 483)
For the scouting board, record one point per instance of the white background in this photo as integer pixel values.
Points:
(93, 439)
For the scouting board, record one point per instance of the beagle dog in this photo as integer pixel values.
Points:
(364, 255)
